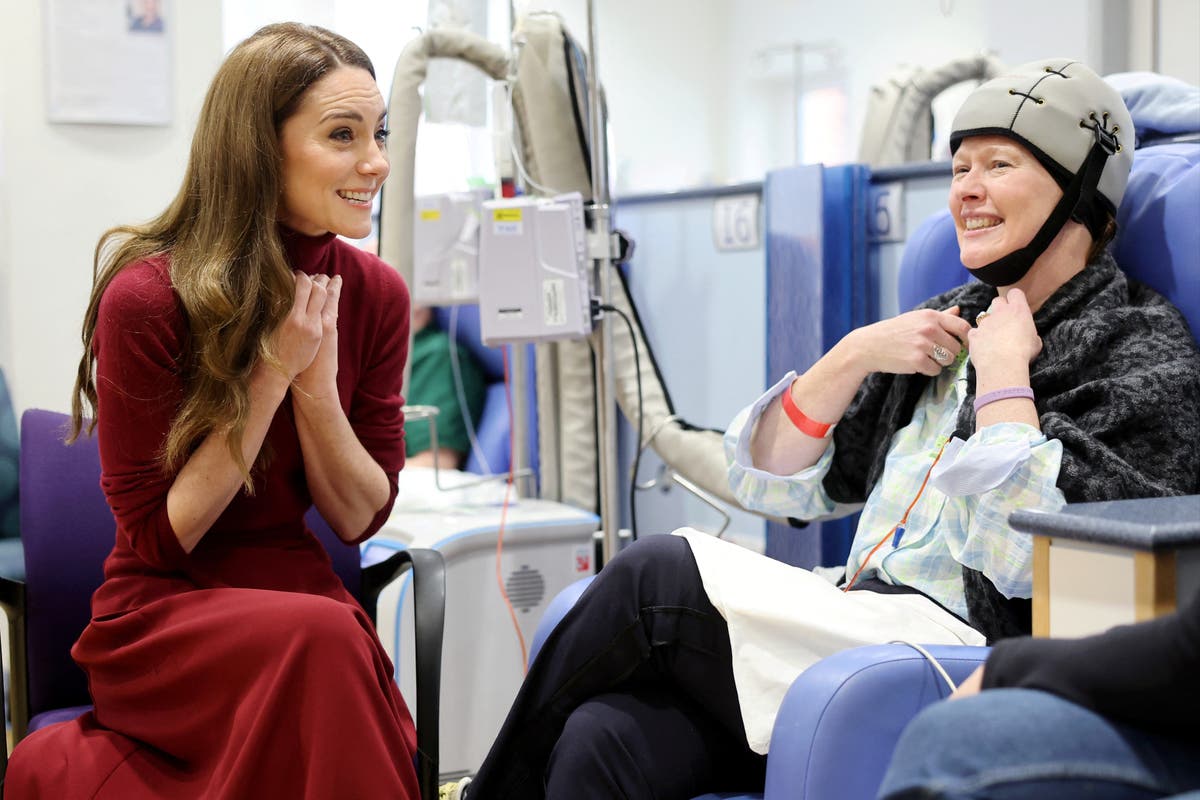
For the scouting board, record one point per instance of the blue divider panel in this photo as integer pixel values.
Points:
(818, 290)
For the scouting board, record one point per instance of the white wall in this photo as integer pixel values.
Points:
(663, 64)
(875, 37)
(702, 92)
(1162, 37)
(62, 185)
(379, 28)
(6, 344)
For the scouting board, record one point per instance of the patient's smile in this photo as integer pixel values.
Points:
(979, 223)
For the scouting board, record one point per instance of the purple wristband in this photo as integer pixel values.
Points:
(1002, 394)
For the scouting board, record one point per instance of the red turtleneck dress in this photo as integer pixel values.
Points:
(243, 669)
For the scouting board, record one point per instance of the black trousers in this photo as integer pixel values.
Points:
(632, 696)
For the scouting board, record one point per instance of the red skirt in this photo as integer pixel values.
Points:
(229, 693)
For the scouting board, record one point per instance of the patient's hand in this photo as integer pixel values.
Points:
(905, 344)
(973, 684)
(1006, 341)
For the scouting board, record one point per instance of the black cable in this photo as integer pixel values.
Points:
(637, 458)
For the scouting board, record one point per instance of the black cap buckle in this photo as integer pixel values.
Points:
(1107, 139)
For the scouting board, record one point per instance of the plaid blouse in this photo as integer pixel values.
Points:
(961, 517)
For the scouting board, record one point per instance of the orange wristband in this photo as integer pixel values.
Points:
(809, 427)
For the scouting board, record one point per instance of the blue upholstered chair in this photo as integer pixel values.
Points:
(840, 720)
(64, 513)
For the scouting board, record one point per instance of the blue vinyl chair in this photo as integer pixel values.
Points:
(840, 720)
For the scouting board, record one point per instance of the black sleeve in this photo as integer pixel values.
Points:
(861, 435)
(1144, 674)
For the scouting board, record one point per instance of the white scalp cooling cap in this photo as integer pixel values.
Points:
(1052, 108)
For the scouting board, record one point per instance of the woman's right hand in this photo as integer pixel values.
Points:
(909, 343)
(298, 337)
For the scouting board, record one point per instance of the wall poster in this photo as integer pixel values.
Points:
(108, 61)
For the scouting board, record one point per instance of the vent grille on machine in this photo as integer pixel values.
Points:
(525, 587)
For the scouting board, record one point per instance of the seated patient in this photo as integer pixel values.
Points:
(244, 364)
(433, 383)
(1105, 717)
(1053, 379)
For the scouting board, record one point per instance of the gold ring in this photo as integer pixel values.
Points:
(981, 316)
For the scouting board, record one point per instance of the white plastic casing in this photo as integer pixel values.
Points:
(534, 281)
(446, 247)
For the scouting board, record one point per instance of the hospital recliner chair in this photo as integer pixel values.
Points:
(840, 720)
(68, 530)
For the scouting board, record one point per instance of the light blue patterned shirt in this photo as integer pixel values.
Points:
(961, 518)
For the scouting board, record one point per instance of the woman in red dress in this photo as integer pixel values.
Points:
(225, 658)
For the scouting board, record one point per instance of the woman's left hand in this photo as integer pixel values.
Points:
(319, 379)
(1006, 339)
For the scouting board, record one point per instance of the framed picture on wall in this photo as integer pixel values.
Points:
(108, 61)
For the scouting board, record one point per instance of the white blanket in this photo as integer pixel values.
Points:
(783, 619)
(418, 490)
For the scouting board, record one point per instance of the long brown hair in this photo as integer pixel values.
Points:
(221, 231)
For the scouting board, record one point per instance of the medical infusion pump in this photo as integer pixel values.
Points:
(446, 247)
(534, 281)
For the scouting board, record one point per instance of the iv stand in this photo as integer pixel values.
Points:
(601, 237)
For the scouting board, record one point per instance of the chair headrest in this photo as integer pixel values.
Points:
(1158, 236)
(1158, 225)
(930, 264)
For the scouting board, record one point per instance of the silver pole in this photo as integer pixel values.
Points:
(526, 482)
(605, 387)
(518, 372)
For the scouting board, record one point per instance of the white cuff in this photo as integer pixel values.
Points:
(974, 467)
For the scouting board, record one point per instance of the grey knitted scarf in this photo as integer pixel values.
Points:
(1117, 382)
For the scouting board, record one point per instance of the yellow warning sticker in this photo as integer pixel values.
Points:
(430, 215)
(506, 215)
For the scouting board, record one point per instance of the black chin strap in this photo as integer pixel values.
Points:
(1009, 269)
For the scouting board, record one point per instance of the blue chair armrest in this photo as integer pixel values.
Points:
(840, 720)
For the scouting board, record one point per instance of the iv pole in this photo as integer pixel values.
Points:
(601, 238)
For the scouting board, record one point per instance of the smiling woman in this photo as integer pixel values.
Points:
(334, 155)
(229, 397)
(999, 196)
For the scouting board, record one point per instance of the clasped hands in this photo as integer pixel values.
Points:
(306, 342)
(927, 340)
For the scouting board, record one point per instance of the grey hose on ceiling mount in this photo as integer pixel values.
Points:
(898, 128)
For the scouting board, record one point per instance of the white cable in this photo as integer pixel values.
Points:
(929, 657)
(512, 146)
(460, 392)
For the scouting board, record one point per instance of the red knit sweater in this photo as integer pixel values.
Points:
(259, 541)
